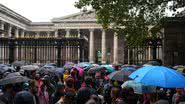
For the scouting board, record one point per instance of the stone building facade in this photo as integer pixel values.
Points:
(105, 46)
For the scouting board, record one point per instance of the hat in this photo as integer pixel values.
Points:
(23, 97)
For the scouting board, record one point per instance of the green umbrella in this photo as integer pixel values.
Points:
(109, 68)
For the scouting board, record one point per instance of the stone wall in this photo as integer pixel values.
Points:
(174, 42)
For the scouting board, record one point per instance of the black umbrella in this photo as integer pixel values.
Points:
(96, 69)
(13, 78)
(153, 63)
(30, 67)
(47, 71)
(120, 75)
(20, 63)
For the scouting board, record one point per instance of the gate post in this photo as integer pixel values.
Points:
(81, 50)
(11, 50)
(35, 51)
(58, 54)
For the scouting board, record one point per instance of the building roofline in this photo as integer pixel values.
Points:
(15, 15)
(62, 19)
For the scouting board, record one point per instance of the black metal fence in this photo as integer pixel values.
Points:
(43, 50)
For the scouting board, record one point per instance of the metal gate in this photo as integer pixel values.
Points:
(43, 50)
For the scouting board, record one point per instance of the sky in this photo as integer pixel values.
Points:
(41, 10)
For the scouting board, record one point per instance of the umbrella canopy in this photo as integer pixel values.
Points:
(30, 67)
(180, 69)
(119, 75)
(69, 65)
(13, 78)
(129, 68)
(59, 71)
(81, 71)
(96, 69)
(83, 64)
(5, 68)
(138, 87)
(152, 63)
(159, 76)
(49, 70)
(20, 63)
(109, 68)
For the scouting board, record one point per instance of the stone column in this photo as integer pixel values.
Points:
(78, 33)
(128, 56)
(67, 33)
(104, 48)
(22, 34)
(2, 28)
(56, 33)
(91, 46)
(37, 34)
(10, 31)
(48, 34)
(115, 49)
(17, 32)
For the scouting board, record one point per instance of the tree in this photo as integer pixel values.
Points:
(131, 18)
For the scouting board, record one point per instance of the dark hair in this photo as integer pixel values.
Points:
(162, 95)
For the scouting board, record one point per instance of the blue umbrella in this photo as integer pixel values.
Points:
(83, 64)
(159, 76)
(69, 65)
(59, 71)
(129, 68)
(138, 87)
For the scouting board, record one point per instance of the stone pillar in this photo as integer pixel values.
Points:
(16, 32)
(104, 48)
(149, 53)
(2, 28)
(91, 46)
(22, 34)
(115, 49)
(67, 33)
(128, 56)
(56, 33)
(10, 31)
(78, 33)
(37, 34)
(48, 34)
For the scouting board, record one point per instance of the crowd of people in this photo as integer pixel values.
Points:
(73, 88)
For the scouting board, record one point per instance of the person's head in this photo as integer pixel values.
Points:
(88, 80)
(34, 86)
(91, 101)
(37, 76)
(23, 97)
(70, 82)
(69, 98)
(8, 88)
(162, 95)
(179, 90)
(95, 98)
(115, 92)
(60, 88)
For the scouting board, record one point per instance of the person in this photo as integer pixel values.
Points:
(116, 96)
(33, 89)
(56, 96)
(84, 93)
(70, 85)
(8, 95)
(24, 97)
(162, 98)
(69, 98)
(107, 90)
(176, 96)
(43, 95)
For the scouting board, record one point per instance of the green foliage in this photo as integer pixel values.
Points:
(131, 18)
